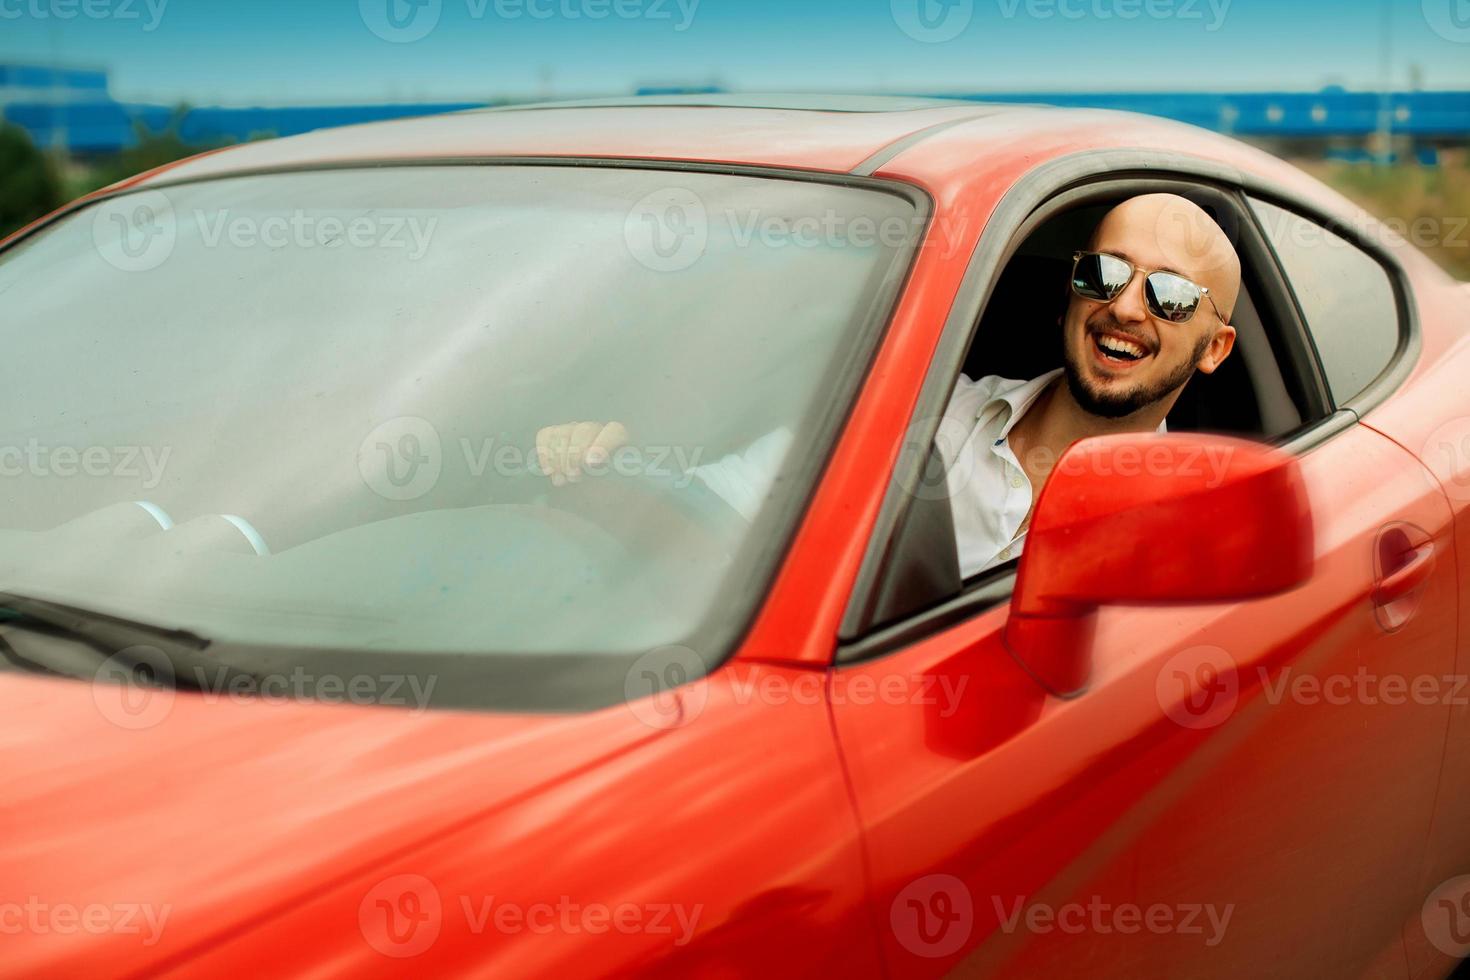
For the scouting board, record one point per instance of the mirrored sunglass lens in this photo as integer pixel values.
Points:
(1101, 276)
(1172, 297)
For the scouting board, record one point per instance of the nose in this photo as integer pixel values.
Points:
(1129, 305)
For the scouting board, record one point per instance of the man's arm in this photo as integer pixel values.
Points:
(743, 480)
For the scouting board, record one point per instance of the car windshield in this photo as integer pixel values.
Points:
(301, 409)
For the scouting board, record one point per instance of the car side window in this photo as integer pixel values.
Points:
(1345, 295)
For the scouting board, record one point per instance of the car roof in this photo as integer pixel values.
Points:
(824, 133)
(796, 101)
(923, 140)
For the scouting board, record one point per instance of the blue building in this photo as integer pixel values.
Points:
(72, 109)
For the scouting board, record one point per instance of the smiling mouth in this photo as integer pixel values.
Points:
(1115, 349)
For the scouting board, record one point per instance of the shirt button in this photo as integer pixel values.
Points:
(1016, 482)
(1005, 554)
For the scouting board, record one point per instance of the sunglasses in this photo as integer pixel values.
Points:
(1103, 277)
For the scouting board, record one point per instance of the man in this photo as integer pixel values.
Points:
(1151, 301)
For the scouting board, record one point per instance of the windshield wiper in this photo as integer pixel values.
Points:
(89, 624)
(75, 629)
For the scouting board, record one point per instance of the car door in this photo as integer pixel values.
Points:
(1242, 789)
(1429, 415)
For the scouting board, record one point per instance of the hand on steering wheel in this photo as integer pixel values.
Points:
(661, 510)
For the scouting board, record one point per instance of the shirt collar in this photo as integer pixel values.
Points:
(1011, 405)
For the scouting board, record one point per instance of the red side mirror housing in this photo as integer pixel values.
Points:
(1151, 519)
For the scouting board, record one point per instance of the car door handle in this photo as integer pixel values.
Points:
(1414, 572)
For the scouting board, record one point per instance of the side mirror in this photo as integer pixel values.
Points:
(1150, 519)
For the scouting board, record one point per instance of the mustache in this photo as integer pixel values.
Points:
(1101, 322)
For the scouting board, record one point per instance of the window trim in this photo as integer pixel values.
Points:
(1399, 364)
(1029, 202)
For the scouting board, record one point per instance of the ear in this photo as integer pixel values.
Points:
(1220, 347)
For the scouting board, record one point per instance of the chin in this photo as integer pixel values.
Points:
(1107, 397)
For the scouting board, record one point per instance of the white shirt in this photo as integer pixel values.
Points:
(988, 488)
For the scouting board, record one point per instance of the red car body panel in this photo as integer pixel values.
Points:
(281, 820)
(799, 822)
(1003, 796)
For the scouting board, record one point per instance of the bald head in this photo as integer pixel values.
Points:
(1172, 233)
(1123, 361)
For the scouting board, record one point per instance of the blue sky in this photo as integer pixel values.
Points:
(244, 52)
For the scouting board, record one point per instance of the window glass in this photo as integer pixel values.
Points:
(301, 409)
(1345, 295)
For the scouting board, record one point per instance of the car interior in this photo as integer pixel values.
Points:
(1262, 391)
(1249, 395)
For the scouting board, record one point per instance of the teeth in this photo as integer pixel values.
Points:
(1119, 346)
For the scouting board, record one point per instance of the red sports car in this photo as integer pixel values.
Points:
(307, 669)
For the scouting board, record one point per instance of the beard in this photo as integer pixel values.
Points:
(1117, 405)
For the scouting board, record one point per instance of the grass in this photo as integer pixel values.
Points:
(1430, 206)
